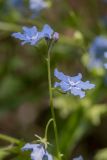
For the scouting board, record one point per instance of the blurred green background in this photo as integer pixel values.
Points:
(24, 97)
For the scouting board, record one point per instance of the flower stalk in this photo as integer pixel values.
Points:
(51, 100)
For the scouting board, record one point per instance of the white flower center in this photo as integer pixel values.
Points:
(73, 84)
(33, 37)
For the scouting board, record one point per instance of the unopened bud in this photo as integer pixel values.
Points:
(55, 36)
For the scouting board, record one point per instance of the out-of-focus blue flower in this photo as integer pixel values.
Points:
(96, 51)
(78, 158)
(15, 3)
(73, 85)
(33, 36)
(37, 152)
(38, 5)
(105, 64)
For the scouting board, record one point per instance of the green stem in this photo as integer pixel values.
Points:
(51, 102)
(47, 126)
(9, 139)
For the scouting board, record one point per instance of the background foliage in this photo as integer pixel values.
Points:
(24, 99)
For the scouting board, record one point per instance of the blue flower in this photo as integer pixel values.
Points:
(18, 4)
(38, 5)
(37, 152)
(32, 35)
(73, 85)
(78, 158)
(96, 51)
(105, 64)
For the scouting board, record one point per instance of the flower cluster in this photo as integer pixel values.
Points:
(73, 85)
(96, 51)
(33, 36)
(38, 152)
(70, 84)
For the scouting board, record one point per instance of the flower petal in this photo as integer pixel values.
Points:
(77, 92)
(47, 31)
(78, 158)
(61, 76)
(85, 85)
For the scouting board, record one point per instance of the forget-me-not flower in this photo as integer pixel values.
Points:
(96, 51)
(78, 158)
(73, 85)
(37, 152)
(33, 36)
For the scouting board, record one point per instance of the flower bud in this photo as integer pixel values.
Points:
(55, 36)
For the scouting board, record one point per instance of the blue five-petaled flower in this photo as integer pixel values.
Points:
(73, 85)
(37, 152)
(33, 36)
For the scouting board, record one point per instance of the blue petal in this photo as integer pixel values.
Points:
(76, 78)
(65, 78)
(29, 146)
(85, 85)
(77, 92)
(19, 36)
(61, 76)
(47, 31)
(38, 154)
(38, 151)
(30, 31)
(64, 86)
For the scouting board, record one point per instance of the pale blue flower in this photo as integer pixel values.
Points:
(78, 158)
(38, 5)
(37, 152)
(73, 85)
(96, 51)
(33, 36)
